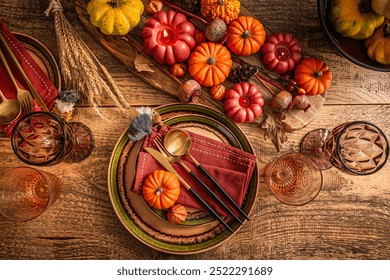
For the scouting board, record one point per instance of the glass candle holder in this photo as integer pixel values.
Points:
(42, 138)
(25, 193)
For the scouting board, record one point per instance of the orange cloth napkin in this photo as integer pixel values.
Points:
(231, 167)
(37, 77)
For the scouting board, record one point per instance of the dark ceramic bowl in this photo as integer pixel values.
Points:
(353, 50)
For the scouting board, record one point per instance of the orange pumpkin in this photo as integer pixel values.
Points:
(210, 64)
(161, 189)
(227, 10)
(246, 36)
(313, 76)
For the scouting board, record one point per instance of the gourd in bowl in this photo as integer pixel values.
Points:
(354, 18)
(378, 45)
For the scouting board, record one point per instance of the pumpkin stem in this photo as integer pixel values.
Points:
(365, 6)
(113, 3)
(246, 34)
(386, 30)
(159, 191)
(317, 75)
(211, 61)
(221, 2)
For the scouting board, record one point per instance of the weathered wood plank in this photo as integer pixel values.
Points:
(348, 220)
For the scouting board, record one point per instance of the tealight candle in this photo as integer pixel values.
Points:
(281, 52)
(168, 37)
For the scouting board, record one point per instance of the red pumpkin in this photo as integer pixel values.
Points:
(281, 52)
(243, 102)
(168, 37)
(313, 76)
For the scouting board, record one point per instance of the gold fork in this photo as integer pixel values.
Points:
(23, 95)
(171, 158)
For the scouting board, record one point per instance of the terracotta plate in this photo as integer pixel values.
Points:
(140, 220)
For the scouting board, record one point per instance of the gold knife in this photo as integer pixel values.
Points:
(164, 162)
(33, 91)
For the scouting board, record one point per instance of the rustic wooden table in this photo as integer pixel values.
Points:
(348, 220)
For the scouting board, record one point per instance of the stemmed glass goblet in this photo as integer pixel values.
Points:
(294, 178)
(42, 138)
(357, 147)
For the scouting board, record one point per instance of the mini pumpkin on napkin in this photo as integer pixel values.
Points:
(37, 77)
(231, 167)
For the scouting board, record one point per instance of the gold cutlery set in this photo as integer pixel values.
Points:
(177, 143)
(10, 109)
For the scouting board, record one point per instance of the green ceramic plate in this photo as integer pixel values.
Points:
(140, 220)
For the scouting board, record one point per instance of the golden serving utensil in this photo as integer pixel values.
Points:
(22, 95)
(9, 109)
(161, 158)
(33, 91)
(171, 158)
(178, 143)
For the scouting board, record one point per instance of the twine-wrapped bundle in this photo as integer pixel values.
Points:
(80, 68)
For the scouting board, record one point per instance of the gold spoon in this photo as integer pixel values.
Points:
(178, 143)
(9, 109)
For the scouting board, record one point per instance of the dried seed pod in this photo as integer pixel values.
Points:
(177, 214)
(281, 101)
(218, 92)
(199, 37)
(178, 69)
(216, 29)
(189, 91)
(154, 6)
(300, 102)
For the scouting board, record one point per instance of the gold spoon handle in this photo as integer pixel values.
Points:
(2, 96)
(33, 91)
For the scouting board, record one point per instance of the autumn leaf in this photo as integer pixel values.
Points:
(276, 128)
(142, 63)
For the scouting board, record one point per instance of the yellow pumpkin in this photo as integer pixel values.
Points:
(381, 7)
(354, 18)
(115, 17)
(378, 45)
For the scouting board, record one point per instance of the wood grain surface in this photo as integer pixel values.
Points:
(349, 219)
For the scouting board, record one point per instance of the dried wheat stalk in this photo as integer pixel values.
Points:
(79, 66)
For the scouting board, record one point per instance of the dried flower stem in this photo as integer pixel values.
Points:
(260, 77)
(178, 9)
(265, 85)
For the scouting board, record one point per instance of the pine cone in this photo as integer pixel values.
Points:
(191, 6)
(242, 73)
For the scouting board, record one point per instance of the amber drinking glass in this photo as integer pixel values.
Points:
(25, 193)
(42, 138)
(358, 147)
(294, 178)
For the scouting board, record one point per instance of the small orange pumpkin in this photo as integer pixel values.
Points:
(227, 10)
(161, 189)
(210, 64)
(246, 36)
(313, 76)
